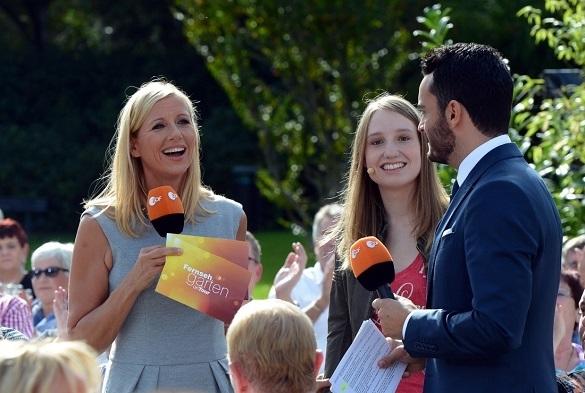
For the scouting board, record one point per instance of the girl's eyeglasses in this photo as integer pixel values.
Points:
(49, 272)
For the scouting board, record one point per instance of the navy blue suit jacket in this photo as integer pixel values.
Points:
(493, 279)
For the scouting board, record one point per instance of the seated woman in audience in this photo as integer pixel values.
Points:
(47, 367)
(568, 355)
(50, 271)
(13, 253)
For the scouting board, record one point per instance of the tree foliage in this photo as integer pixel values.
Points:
(551, 128)
(296, 74)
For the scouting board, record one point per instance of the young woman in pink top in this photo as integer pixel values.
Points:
(392, 192)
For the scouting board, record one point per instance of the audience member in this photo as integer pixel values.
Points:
(310, 287)
(48, 367)
(272, 349)
(15, 313)
(574, 382)
(118, 255)
(393, 192)
(13, 254)
(574, 256)
(568, 355)
(254, 262)
(50, 271)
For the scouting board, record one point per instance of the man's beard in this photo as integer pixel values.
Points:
(441, 141)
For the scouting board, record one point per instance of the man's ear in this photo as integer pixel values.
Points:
(239, 381)
(318, 362)
(454, 112)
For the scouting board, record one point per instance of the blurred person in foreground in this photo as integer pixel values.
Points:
(254, 262)
(50, 273)
(272, 349)
(310, 287)
(48, 367)
(494, 270)
(118, 256)
(392, 192)
(14, 250)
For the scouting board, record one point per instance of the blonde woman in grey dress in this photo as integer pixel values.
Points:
(156, 343)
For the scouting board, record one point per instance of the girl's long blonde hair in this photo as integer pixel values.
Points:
(124, 190)
(363, 210)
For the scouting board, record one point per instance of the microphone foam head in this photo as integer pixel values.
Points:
(165, 210)
(371, 263)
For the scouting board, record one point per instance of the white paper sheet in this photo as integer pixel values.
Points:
(358, 370)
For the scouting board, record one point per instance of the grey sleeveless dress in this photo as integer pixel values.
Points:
(163, 344)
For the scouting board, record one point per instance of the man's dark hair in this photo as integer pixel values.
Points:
(476, 76)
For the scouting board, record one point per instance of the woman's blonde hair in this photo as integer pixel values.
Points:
(32, 367)
(273, 343)
(363, 211)
(124, 191)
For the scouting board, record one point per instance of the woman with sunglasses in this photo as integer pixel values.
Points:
(50, 271)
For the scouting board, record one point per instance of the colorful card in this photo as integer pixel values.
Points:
(235, 251)
(204, 280)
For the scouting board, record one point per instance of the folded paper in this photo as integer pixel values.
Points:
(203, 278)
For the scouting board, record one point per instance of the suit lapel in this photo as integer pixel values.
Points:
(508, 150)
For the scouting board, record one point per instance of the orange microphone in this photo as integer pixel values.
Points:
(165, 210)
(372, 265)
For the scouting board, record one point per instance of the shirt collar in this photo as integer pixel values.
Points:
(477, 154)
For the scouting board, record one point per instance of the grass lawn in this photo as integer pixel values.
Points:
(275, 247)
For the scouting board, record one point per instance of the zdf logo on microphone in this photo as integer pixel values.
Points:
(172, 196)
(371, 243)
(153, 200)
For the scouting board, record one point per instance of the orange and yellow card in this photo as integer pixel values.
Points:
(210, 276)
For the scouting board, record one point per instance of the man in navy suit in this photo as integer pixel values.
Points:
(494, 266)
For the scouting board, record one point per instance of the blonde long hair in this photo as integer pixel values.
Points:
(363, 210)
(124, 191)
